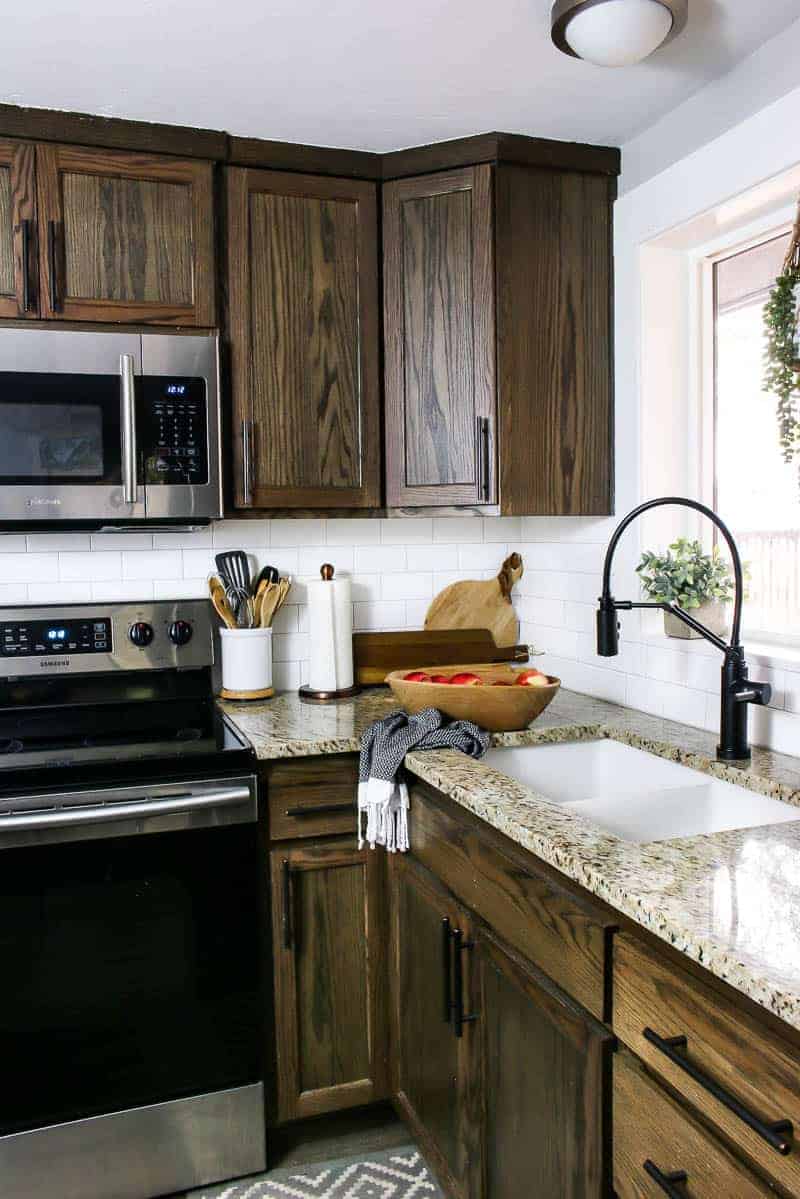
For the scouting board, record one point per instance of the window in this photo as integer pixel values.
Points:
(754, 490)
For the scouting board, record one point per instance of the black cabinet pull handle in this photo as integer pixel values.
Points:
(459, 946)
(52, 259)
(26, 265)
(777, 1133)
(447, 973)
(287, 903)
(322, 810)
(668, 1182)
(484, 458)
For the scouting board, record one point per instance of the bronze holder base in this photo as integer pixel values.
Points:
(309, 696)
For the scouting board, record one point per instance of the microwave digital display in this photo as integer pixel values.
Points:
(172, 430)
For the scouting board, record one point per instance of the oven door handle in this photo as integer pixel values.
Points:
(128, 412)
(104, 813)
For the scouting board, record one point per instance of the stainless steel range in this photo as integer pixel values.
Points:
(130, 1011)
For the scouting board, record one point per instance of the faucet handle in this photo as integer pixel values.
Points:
(749, 692)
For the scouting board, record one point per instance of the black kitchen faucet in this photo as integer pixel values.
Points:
(737, 691)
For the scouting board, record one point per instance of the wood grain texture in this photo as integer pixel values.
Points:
(546, 1084)
(436, 1073)
(555, 331)
(17, 203)
(480, 603)
(114, 133)
(310, 784)
(501, 147)
(553, 927)
(302, 294)
(650, 1125)
(264, 154)
(330, 982)
(726, 1042)
(135, 236)
(377, 654)
(439, 338)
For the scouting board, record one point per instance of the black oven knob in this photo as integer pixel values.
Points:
(141, 633)
(180, 632)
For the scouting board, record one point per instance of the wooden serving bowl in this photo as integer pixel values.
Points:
(498, 709)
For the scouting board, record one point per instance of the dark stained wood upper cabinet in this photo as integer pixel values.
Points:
(439, 339)
(18, 244)
(125, 237)
(498, 307)
(303, 322)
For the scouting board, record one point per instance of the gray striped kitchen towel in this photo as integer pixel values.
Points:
(382, 791)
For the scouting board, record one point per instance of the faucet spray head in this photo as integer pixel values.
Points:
(607, 628)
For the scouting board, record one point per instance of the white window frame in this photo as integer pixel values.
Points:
(702, 260)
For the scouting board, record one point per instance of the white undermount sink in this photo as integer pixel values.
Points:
(633, 794)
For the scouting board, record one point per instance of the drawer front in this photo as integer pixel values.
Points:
(734, 1070)
(656, 1142)
(312, 797)
(546, 924)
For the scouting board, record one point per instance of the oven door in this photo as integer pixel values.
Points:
(130, 950)
(67, 426)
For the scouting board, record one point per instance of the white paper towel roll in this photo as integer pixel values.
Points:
(330, 621)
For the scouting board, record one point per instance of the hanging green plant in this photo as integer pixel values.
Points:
(781, 364)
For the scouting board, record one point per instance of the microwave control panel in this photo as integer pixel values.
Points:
(172, 429)
(35, 638)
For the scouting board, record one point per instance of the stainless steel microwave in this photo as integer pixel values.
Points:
(108, 429)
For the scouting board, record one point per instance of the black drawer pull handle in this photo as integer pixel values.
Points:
(52, 255)
(26, 266)
(447, 972)
(668, 1182)
(777, 1133)
(323, 810)
(459, 1019)
(286, 869)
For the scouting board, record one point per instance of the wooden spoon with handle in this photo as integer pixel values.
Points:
(220, 603)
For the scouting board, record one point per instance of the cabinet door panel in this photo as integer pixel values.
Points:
(329, 964)
(18, 239)
(436, 1070)
(303, 303)
(546, 1080)
(128, 237)
(440, 351)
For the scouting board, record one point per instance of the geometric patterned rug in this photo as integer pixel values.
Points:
(392, 1174)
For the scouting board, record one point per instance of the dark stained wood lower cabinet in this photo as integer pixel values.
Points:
(546, 1085)
(330, 970)
(436, 1071)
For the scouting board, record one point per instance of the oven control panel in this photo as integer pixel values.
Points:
(59, 636)
(82, 638)
(172, 429)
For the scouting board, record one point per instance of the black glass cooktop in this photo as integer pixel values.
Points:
(64, 737)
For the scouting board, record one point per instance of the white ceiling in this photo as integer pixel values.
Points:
(367, 74)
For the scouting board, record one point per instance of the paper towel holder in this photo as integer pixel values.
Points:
(308, 694)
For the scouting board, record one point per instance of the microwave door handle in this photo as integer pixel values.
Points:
(128, 410)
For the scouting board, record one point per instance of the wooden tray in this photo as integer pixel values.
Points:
(375, 655)
(498, 709)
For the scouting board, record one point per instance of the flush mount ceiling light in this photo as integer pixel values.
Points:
(615, 33)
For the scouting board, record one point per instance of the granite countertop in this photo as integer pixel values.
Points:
(729, 900)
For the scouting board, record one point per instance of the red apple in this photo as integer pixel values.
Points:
(417, 676)
(440, 678)
(532, 678)
(465, 679)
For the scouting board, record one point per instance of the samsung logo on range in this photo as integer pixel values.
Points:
(44, 501)
(48, 663)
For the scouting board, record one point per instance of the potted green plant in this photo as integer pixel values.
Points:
(698, 582)
(781, 363)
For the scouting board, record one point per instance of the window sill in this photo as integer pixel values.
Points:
(764, 653)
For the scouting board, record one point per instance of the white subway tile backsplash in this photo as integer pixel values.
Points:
(396, 567)
(379, 559)
(432, 557)
(409, 586)
(460, 529)
(95, 565)
(413, 530)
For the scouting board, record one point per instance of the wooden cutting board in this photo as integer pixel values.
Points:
(377, 654)
(480, 604)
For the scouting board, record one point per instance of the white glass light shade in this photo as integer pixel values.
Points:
(618, 33)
